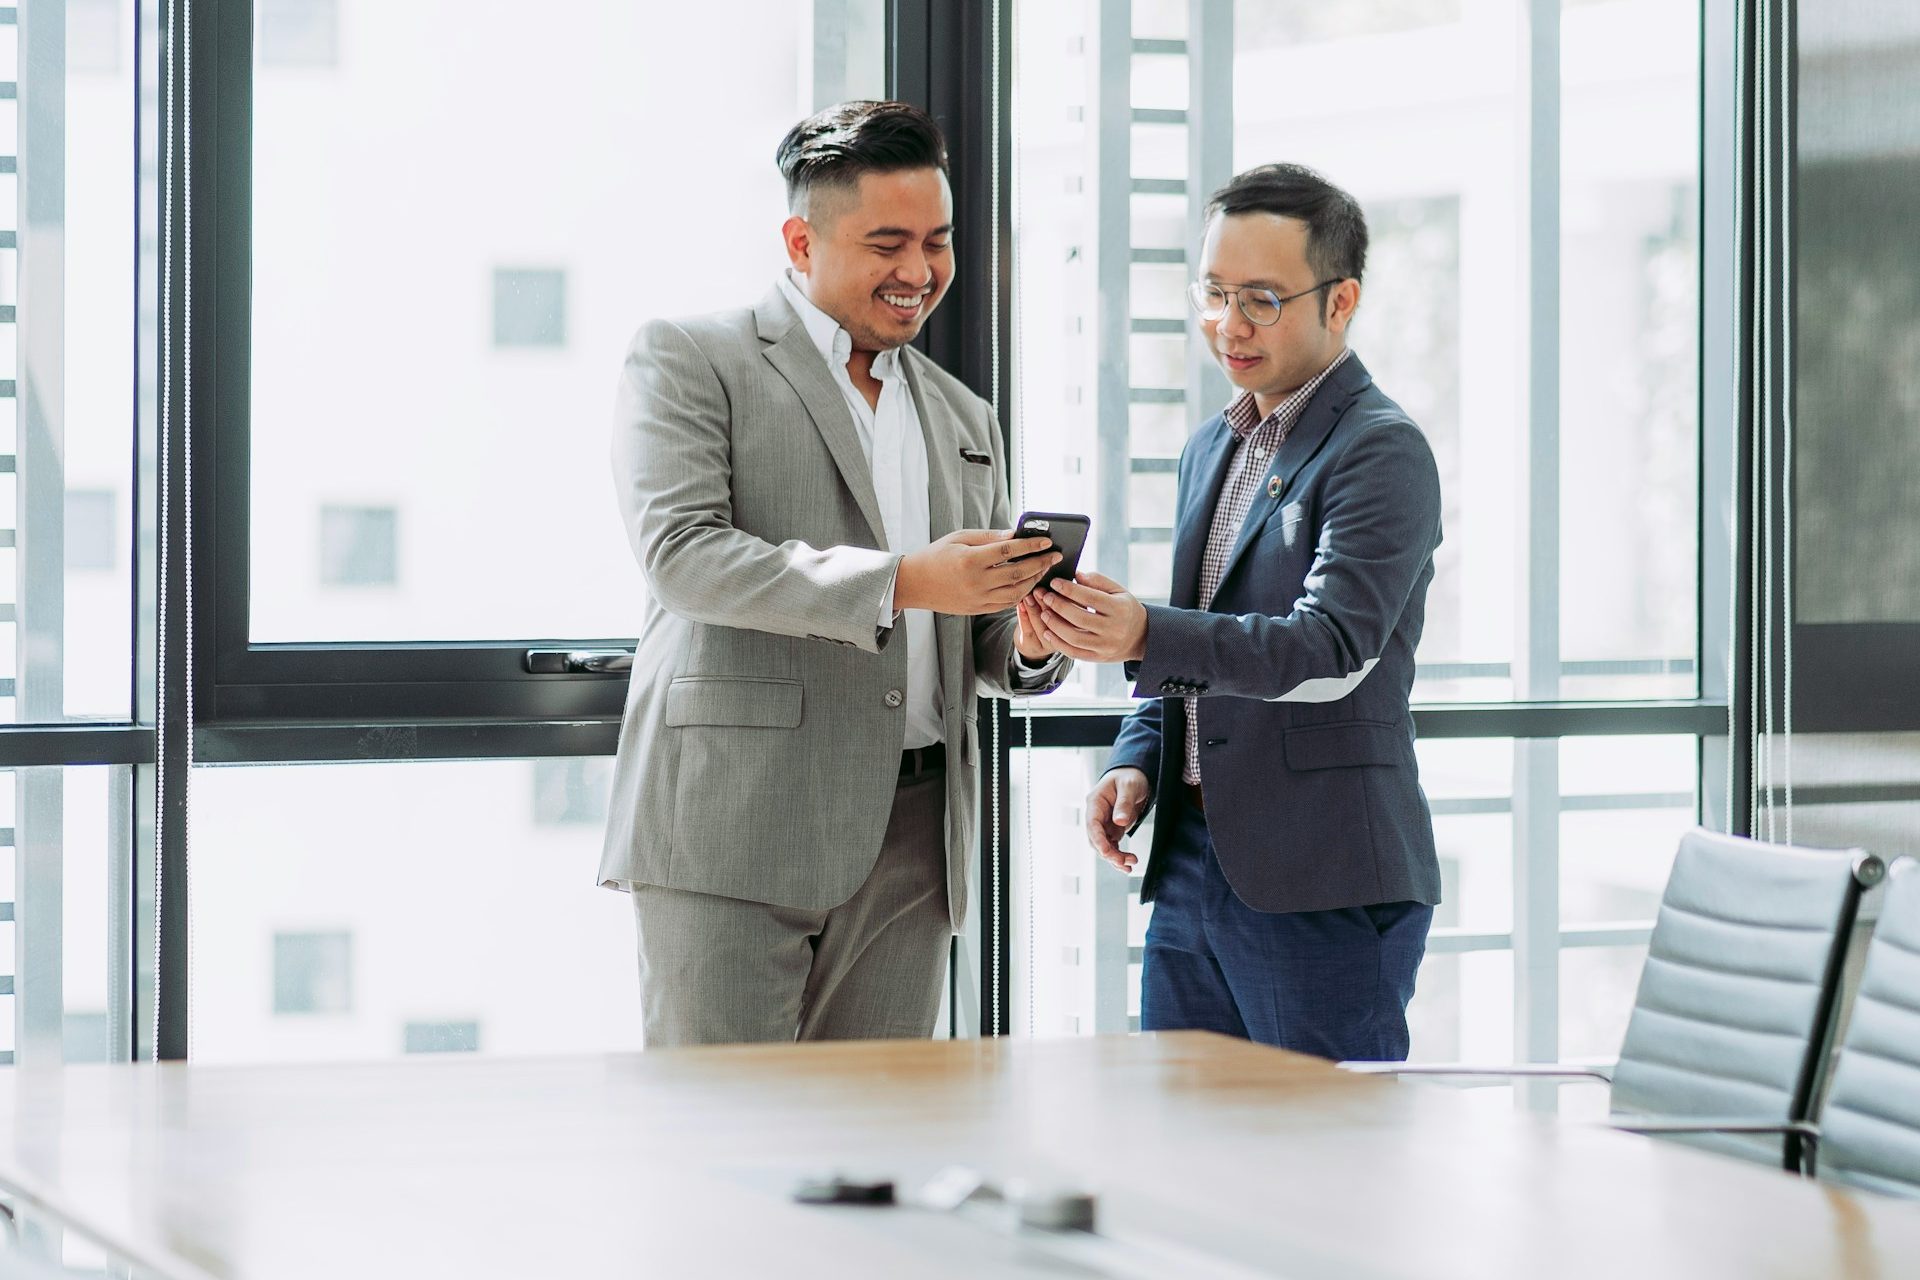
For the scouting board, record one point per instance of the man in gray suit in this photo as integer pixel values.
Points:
(820, 514)
(1293, 868)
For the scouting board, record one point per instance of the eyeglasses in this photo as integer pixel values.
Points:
(1261, 306)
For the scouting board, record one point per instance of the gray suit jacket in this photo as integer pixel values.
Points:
(765, 719)
(1303, 662)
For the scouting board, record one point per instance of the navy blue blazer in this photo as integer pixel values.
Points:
(1303, 663)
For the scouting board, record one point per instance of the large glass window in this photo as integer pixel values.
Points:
(1855, 790)
(67, 324)
(1847, 451)
(453, 221)
(76, 276)
(1857, 416)
(1629, 349)
(1622, 804)
(1436, 153)
(65, 907)
(411, 908)
(460, 217)
(1532, 300)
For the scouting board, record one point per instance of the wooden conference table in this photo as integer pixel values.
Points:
(1208, 1156)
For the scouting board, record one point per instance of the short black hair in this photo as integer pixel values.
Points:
(834, 147)
(1336, 226)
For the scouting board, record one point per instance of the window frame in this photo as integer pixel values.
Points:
(252, 698)
(208, 694)
(1716, 721)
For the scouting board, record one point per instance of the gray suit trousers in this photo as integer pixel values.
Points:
(718, 970)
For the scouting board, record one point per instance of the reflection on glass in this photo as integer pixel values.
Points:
(64, 913)
(412, 908)
(1430, 153)
(1597, 987)
(459, 219)
(1856, 790)
(1625, 803)
(1078, 926)
(1857, 324)
(39, 1244)
(1271, 24)
(1462, 1008)
(67, 335)
(1629, 349)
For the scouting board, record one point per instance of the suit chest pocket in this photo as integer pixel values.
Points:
(976, 493)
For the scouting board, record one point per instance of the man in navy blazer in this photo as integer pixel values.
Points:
(1292, 868)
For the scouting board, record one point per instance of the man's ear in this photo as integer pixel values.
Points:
(1343, 300)
(797, 232)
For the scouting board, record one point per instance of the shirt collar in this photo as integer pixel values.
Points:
(834, 343)
(1243, 415)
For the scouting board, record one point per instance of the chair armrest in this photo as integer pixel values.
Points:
(1663, 1126)
(1517, 1070)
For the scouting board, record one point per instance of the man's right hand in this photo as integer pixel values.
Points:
(969, 572)
(1113, 806)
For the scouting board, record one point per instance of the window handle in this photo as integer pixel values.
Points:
(555, 662)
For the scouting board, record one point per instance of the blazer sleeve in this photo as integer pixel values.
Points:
(1380, 523)
(1139, 742)
(673, 477)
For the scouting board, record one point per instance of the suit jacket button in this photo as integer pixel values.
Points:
(894, 698)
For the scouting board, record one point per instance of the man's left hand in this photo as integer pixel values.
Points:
(1028, 637)
(1092, 619)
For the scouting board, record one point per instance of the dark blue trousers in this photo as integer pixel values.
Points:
(1333, 983)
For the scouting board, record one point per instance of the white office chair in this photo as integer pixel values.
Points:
(1734, 1015)
(1868, 1134)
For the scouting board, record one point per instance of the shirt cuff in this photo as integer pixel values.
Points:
(1031, 675)
(888, 614)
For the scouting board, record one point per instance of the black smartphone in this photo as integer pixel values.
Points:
(1068, 533)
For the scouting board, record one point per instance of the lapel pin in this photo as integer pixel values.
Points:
(1274, 486)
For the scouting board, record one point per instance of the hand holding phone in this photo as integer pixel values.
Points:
(969, 572)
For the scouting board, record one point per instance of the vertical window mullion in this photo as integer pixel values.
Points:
(39, 684)
(1536, 788)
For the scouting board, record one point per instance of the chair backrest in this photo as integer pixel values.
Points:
(1870, 1127)
(1735, 1008)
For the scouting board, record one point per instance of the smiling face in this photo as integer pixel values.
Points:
(877, 257)
(1269, 251)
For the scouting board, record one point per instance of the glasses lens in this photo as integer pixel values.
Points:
(1209, 301)
(1262, 306)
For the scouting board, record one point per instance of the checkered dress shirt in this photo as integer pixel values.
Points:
(1251, 458)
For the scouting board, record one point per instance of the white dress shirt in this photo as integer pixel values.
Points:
(896, 452)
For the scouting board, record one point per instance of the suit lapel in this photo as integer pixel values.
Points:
(792, 352)
(943, 509)
(1214, 452)
(1302, 443)
(943, 449)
